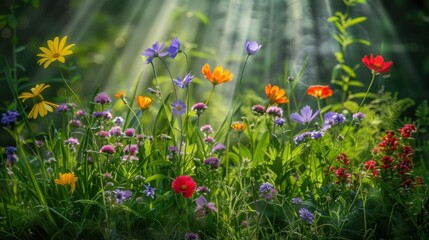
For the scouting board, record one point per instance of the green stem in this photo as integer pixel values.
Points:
(210, 95)
(171, 76)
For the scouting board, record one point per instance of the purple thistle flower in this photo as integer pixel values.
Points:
(206, 129)
(102, 98)
(11, 156)
(191, 236)
(174, 47)
(358, 116)
(199, 108)
(258, 109)
(179, 107)
(150, 191)
(9, 118)
(130, 132)
(218, 147)
(296, 201)
(155, 51)
(75, 123)
(214, 162)
(71, 141)
(122, 195)
(306, 215)
(103, 134)
(209, 139)
(252, 47)
(115, 131)
(62, 108)
(183, 83)
(109, 149)
(306, 115)
(275, 111)
(105, 115)
(131, 149)
(203, 207)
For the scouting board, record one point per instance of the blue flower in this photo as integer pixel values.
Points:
(296, 201)
(279, 121)
(306, 115)
(9, 118)
(122, 195)
(150, 191)
(265, 187)
(252, 47)
(174, 47)
(300, 138)
(316, 134)
(183, 83)
(179, 107)
(306, 215)
(155, 51)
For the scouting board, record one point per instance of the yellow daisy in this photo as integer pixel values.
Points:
(41, 107)
(67, 179)
(57, 50)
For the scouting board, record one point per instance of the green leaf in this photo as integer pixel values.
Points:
(339, 57)
(201, 16)
(340, 27)
(348, 70)
(159, 162)
(337, 38)
(356, 84)
(351, 106)
(333, 19)
(155, 177)
(35, 3)
(362, 41)
(3, 21)
(362, 95)
(355, 21)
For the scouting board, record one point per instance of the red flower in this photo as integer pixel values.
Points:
(370, 164)
(407, 130)
(377, 64)
(185, 185)
(319, 91)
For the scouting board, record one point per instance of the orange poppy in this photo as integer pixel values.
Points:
(218, 76)
(275, 94)
(120, 94)
(143, 102)
(319, 91)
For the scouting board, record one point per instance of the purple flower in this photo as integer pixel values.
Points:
(116, 131)
(72, 142)
(296, 201)
(214, 162)
(103, 134)
(199, 108)
(129, 132)
(179, 107)
(300, 138)
(80, 113)
(279, 121)
(183, 83)
(75, 123)
(174, 47)
(252, 47)
(122, 195)
(275, 111)
(306, 115)
(150, 191)
(203, 207)
(206, 129)
(306, 215)
(109, 149)
(118, 121)
(202, 189)
(105, 115)
(258, 109)
(102, 98)
(155, 51)
(9, 118)
(131, 149)
(191, 236)
(62, 108)
(218, 147)
(316, 134)
(11, 156)
(265, 187)
(358, 116)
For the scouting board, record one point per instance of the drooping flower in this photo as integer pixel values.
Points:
(179, 108)
(155, 51)
(150, 191)
(377, 64)
(57, 50)
(67, 179)
(102, 98)
(238, 127)
(252, 47)
(306, 115)
(122, 195)
(185, 185)
(203, 207)
(174, 47)
(306, 215)
(9, 118)
(218, 76)
(41, 107)
(183, 83)
(143, 102)
(275, 94)
(319, 91)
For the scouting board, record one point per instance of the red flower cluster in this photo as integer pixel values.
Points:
(342, 173)
(389, 143)
(407, 130)
(185, 185)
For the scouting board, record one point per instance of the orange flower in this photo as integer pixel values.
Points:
(319, 91)
(218, 76)
(238, 126)
(275, 94)
(67, 179)
(120, 94)
(143, 102)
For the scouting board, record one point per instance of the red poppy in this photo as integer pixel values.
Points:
(376, 64)
(319, 91)
(185, 185)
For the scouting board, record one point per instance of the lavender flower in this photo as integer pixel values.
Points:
(306, 215)
(174, 47)
(122, 195)
(279, 121)
(191, 236)
(155, 51)
(11, 156)
(214, 162)
(300, 138)
(62, 108)
(316, 134)
(80, 113)
(218, 147)
(102, 98)
(267, 191)
(150, 191)
(252, 47)
(183, 83)
(203, 207)
(105, 115)
(258, 109)
(72, 142)
(296, 201)
(9, 118)
(275, 111)
(118, 121)
(202, 189)
(306, 115)
(358, 116)
(116, 131)
(179, 107)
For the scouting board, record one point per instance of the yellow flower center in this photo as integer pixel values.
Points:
(56, 55)
(184, 187)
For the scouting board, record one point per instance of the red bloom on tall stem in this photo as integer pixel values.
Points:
(185, 185)
(376, 64)
(319, 91)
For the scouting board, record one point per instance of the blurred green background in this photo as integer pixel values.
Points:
(110, 35)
